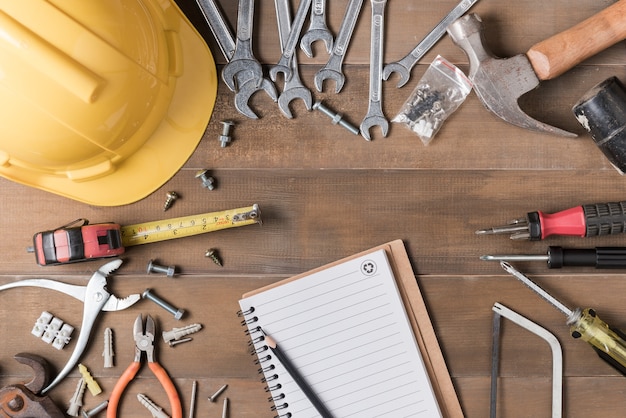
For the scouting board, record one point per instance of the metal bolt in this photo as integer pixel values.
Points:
(178, 313)
(213, 397)
(171, 196)
(99, 408)
(212, 254)
(225, 409)
(208, 182)
(182, 340)
(169, 271)
(225, 136)
(337, 118)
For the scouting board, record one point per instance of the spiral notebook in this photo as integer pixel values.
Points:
(359, 334)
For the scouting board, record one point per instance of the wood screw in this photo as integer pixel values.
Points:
(171, 197)
(212, 254)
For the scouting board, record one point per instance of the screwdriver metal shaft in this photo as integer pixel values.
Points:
(609, 344)
(557, 257)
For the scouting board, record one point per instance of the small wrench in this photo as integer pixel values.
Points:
(294, 88)
(243, 59)
(317, 31)
(332, 69)
(247, 84)
(406, 64)
(375, 114)
(289, 49)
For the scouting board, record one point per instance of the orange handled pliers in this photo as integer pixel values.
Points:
(144, 343)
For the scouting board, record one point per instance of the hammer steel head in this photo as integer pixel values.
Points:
(498, 82)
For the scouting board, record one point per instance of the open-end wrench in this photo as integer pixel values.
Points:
(289, 49)
(406, 64)
(243, 59)
(293, 89)
(317, 31)
(375, 114)
(332, 69)
(248, 85)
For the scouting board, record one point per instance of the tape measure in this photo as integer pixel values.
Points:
(186, 226)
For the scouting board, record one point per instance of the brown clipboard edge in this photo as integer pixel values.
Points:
(418, 316)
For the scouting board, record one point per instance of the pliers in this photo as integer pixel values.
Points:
(95, 297)
(144, 343)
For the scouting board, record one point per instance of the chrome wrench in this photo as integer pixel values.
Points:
(226, 42)
(375, 116)
(293, 89)
(406, 64)
(243, 59)
(332, 69)
(289, 49)
(318, 30)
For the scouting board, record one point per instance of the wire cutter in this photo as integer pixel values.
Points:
(95, 297)
(144, 343)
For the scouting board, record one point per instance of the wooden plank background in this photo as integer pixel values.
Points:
(326, 194)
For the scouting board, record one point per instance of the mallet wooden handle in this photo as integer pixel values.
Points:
(561, 52)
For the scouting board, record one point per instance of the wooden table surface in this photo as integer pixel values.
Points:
(326, 194)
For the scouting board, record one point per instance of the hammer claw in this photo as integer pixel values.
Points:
(498, 82)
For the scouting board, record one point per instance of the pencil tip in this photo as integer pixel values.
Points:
(270, 341)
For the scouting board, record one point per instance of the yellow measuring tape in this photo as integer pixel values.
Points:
(186, 226)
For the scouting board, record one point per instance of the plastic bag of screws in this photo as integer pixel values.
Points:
(440, 91)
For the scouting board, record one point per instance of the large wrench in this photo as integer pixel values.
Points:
(225, 40)
(289, 49)
(375, 114)
(332, 69)
(317, 31)
(243, 59)
(406, 64)
(293, 88)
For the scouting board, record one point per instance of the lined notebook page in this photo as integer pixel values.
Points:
(345, 328)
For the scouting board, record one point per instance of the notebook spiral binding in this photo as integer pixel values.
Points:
(263, 359)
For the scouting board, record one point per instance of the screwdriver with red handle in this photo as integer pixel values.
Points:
(582, 221)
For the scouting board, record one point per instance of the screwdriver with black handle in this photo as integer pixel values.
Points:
(609, 344)
(583, 221)
(557, 257)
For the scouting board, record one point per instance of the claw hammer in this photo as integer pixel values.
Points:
(499, 82)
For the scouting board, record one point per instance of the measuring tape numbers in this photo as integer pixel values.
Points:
(186, 226)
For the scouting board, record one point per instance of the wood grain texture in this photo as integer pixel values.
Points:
(326, 194)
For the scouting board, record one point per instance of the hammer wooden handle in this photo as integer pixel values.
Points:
(561, 52)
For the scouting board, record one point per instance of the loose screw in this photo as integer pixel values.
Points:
(178, 313)
(337, 118)
(171, 196)
(213, 397)
(225, 136)
(212, 254)
(99, 408)
(169, 271)
(208, 182)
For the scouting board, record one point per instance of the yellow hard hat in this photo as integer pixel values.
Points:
(101, 101)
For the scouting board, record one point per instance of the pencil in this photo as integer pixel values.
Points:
(295, 375)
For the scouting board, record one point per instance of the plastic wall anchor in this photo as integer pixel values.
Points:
(108, 353)
(63, 336)
(41, 324)
(92, 385)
